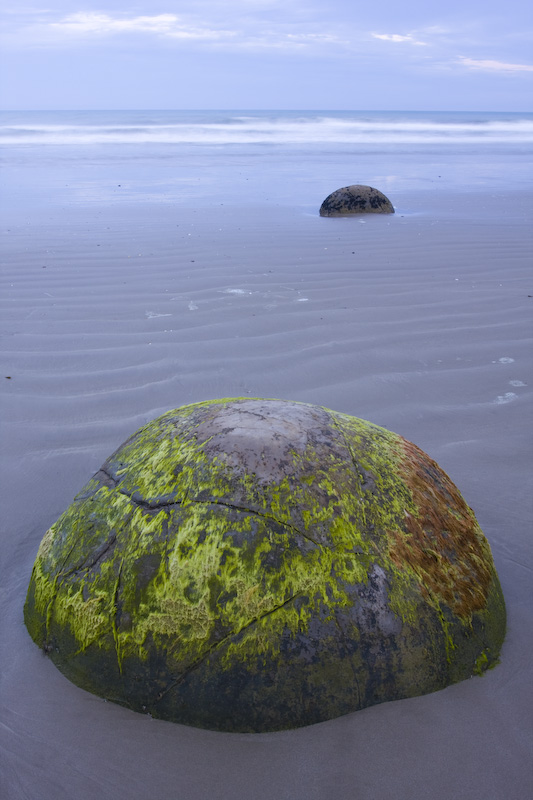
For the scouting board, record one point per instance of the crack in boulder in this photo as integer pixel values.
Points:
(177, 681)
(158, 505)
(115, 612)
(98, 556)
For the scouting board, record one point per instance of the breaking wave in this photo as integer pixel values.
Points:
(283, 128)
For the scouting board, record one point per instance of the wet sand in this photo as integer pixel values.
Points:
(420, 322)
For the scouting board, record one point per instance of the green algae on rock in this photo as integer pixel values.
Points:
(257, 565)
(355, 199)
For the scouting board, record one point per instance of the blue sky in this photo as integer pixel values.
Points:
(268, 54)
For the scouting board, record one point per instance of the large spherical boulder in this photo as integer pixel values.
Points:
(254, 565)
(356, 199)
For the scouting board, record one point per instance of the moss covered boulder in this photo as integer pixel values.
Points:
(254, 565)
(356, 199)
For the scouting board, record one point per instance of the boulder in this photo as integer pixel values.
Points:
(356, 199)
(256, 565)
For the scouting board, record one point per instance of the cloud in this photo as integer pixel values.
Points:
(249, 33)
(398, 37)
(95, 24)
(494, 66)
(272, 39)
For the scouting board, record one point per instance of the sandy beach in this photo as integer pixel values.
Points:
(113, 312)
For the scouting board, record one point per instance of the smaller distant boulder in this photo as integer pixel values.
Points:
(356, 199)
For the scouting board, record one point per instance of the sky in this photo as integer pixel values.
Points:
(464, 55)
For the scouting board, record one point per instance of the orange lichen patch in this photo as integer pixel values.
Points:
(442, 542)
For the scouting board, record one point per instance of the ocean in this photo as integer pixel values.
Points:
(151, 259)
(344, 128)
(251, 158)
